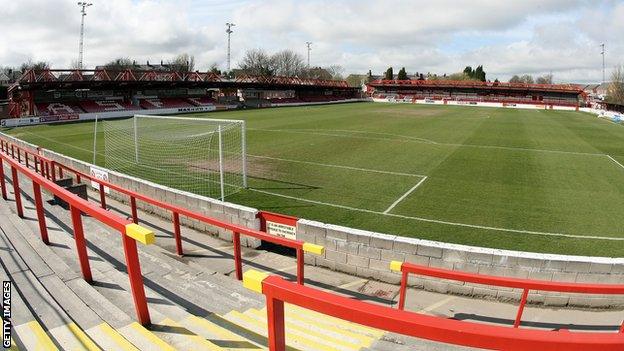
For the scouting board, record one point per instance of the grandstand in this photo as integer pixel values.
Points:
(462, 92)
(60, 95)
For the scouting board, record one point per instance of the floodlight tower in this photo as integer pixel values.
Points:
(309, 44)
(603, 61)
(83, 10)
(229, 31)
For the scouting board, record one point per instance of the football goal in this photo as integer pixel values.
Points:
(199, 155)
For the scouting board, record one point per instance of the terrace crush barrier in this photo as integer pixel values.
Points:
(279, 291)
(131, 232)
(49, 169)
(407, 268)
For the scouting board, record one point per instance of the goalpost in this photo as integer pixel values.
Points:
(202, 156)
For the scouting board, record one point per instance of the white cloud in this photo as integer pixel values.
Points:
(507, 37)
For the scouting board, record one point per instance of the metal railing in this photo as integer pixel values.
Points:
(407, 268)
(279, 291)
(50, 167)
(130, 232)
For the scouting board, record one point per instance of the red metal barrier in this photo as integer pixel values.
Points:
(407, 268)
(129, 231)
(279, 291)
(300, 247)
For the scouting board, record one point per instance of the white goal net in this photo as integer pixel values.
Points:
(202, 156)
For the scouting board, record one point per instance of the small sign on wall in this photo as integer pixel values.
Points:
(101, 175)
(278, 224)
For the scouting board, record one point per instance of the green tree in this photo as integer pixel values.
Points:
(389, 74)
(469, 72)
(479, 73)
(402, 74)
(615, 92)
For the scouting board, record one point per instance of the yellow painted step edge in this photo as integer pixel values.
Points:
(292, 308)
(117, 338)
(218, 330)
(43, 340)
(83, 338)
(317, 334)
(360, 335)
(199, 340)
(158, 342)
(289, 336)
(13, 346)
(338, 325)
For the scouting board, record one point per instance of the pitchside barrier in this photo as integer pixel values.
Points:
(279, 291)
(130, 232)
(407, 268)
(51, 169)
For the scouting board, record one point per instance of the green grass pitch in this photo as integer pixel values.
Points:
(531, 180)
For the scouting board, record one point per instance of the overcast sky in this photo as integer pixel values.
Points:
(442, 36)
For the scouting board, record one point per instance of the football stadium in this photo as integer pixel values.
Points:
(278, 205)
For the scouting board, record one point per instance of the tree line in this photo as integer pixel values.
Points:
(528, 79)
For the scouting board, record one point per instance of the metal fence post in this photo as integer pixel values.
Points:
(275, 322)
(176, 233)
(300, 264)
(404, 277)
(2, 182)
(136, 279)
(81, 245)
(16, 191)
(237, 255)
(133, 208)
(43, 229)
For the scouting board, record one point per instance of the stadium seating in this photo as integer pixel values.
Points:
(155, 103)
(202, 101)
(92, 106)
(57, 108)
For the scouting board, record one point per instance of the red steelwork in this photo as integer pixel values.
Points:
(177, 211)
(136, 280)
(471, 334)
(43, 229)
(473, 84)
(102, 196)
(176, 233)
(16, 192)
(2, 182)
(517, 283)
(105, 217)
(81, 244)
(133, 209)
(237, 255)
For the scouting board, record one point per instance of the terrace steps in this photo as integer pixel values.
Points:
(191, 308)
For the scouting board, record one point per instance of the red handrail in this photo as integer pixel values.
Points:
(300, 246)
(127, 229)
(279, 291)
(407, 268)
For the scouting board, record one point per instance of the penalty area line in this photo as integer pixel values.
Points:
(614, 160)
(404, 196)
(429, 220)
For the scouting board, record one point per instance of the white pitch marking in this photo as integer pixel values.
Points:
(339, 166)
(614, 160)
(404, 196)
(426, 141)
(532, 232)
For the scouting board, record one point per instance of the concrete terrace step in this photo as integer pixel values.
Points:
(43, 296)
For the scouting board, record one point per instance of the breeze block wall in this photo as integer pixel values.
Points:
(368, 255)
